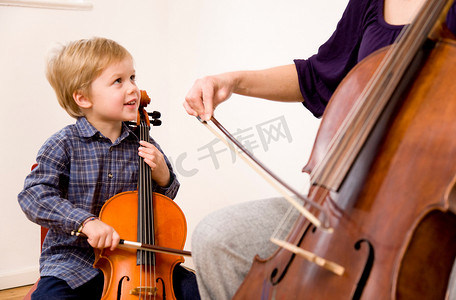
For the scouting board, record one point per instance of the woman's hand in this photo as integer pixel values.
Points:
(207, 93)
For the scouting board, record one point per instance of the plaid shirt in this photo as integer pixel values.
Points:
(78, 170)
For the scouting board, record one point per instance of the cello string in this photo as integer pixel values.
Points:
(321, 169)
(390, 60)
(282, 229)
(353, 114)
(377, 106)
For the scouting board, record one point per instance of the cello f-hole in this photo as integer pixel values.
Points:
(367, 268)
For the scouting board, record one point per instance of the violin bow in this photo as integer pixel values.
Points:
(141, 246)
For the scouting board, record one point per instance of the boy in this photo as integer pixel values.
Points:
(88, 162)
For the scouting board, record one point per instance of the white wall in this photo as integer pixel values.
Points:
(173, 42)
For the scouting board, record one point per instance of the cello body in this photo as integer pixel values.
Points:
(394, 213)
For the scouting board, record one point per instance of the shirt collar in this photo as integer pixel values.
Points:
(87, 130)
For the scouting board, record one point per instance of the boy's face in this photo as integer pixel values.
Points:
(114, 95)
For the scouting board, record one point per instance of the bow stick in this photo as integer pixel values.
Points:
(140, 246)
(322, 262)
(312, 218)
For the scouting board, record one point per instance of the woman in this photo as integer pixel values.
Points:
(223, 254)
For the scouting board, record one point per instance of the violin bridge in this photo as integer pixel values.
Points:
(144, 291)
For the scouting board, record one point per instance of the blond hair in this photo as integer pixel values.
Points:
(76, 65)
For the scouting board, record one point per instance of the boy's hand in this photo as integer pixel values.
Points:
(100, 235)
(155, 159)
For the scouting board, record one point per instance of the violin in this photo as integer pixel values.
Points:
(143, 269)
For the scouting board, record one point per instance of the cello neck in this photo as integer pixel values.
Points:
(381, 93)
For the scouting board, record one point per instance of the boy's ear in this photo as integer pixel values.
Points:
(81, 99)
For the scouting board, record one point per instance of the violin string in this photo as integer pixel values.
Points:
(153, 222)
(150, 232)
(141, 214)
(151, 237)
(146, 258)
(146, 261)
(149, 263)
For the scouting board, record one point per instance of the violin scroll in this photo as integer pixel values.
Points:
(145, 99)
(154, 116)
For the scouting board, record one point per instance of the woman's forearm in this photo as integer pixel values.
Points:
(278, 83)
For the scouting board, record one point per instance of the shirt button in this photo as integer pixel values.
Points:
(110, 149)
(110, 175)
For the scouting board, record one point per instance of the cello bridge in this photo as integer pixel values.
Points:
(144, 291)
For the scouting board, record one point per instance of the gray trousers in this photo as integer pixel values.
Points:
(225, 242)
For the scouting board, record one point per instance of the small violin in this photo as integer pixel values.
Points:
(142, 270)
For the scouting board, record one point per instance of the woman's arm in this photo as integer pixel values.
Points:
(278, 83)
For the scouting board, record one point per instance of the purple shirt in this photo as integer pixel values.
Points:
(361, 30)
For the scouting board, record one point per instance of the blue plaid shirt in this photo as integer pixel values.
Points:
(78, 170)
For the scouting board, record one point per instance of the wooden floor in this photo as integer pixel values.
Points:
(15, 294)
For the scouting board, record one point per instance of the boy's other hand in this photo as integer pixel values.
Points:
(155, 159)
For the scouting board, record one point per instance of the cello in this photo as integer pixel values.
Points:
(152, 219)
(383, 174)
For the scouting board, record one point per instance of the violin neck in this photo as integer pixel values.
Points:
(146, 232)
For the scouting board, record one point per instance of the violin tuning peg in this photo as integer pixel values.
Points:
(156, 122)
(154, 114)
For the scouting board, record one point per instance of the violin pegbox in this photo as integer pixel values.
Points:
(155, 118)
(152, 118)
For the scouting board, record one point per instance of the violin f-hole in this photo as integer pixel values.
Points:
(119, 286)
(163, 286)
